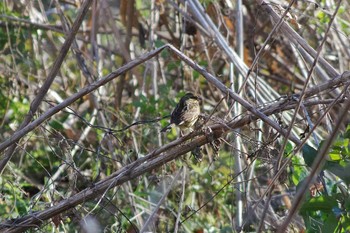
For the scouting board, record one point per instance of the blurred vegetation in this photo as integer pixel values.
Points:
(64, 155)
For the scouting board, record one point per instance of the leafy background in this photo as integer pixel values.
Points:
(242, 187)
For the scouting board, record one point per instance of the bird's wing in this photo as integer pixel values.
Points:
(178, 113)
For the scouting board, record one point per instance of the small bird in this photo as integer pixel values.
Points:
(185, 113)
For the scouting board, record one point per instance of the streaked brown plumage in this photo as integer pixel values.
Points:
(185, 113)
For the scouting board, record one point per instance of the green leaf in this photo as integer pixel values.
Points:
(289, 148)
(335, 155)
(320, 218)
(339, 169)
(299, 172)
(345, 223)
(322, 203)
(330, 224)
(309, 154)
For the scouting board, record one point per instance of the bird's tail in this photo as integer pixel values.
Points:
(166, 128)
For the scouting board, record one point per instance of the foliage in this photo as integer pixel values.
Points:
(234, 182)
(328, 208)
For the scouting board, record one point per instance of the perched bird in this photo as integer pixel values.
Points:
(185, 113)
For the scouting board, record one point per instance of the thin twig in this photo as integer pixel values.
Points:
(150, 218)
